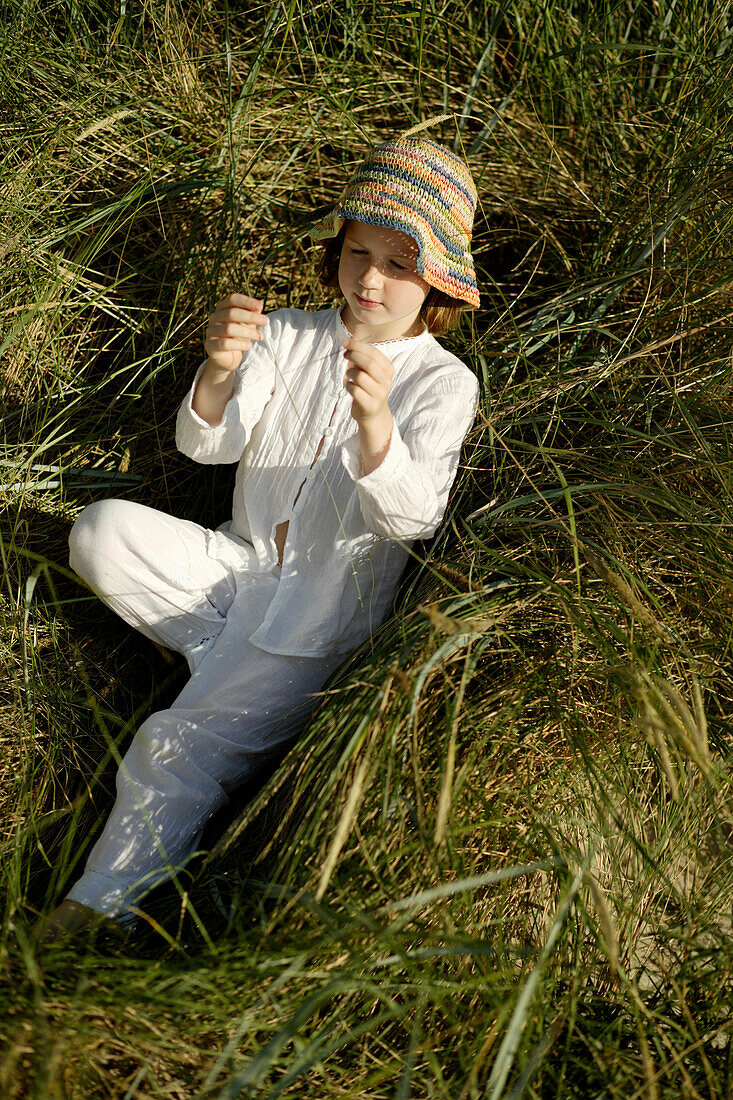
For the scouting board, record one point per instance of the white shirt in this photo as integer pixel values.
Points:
(349, 535)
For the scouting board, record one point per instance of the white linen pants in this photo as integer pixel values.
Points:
(194, 591)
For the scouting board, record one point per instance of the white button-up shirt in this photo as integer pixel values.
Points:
(349, 534)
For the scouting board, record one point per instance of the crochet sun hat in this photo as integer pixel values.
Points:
(425, 190)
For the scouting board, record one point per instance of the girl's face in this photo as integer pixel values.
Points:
(377, 276)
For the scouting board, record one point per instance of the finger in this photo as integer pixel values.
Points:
(359, 394)
(217, 344)
(244, 316)
(241, 301)
(359, 379)
(239, 317)
(362, 353)
(358, 347)
(363, 403)
(234, 330)
(369, 363)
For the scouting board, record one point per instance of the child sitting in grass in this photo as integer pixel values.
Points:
(347, 425)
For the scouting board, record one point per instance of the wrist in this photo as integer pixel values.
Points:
(213, 390)
(375, 434)
(215, 374)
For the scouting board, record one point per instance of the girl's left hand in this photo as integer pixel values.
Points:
(368, 379)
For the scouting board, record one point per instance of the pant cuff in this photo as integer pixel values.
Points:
(105, 894)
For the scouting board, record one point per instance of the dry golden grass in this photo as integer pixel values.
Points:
(498, 862)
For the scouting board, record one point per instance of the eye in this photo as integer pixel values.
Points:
(400, 267)
(357, 251)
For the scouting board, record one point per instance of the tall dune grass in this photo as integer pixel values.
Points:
(498, 863)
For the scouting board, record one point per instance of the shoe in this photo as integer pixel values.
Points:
(69, 920)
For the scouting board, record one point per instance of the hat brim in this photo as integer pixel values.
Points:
(456, 284)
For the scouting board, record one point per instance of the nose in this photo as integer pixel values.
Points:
(370, 276)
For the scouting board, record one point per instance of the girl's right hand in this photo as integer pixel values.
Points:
(232, 329)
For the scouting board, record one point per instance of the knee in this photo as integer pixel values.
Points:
(171, 755)
(96, 535)
(147, 753)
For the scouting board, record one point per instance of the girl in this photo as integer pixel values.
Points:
(347, 425)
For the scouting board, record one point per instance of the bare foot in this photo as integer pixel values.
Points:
(70, 919)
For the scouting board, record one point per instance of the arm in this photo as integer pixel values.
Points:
(231, 387)
(369, 379)
(214, 388)
(232, 328)
(405, 496)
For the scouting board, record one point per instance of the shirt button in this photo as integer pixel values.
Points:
(328, 433)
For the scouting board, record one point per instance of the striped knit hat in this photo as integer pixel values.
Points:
(426, 191)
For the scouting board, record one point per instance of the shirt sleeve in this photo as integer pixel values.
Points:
(254, 384)
(406, 496)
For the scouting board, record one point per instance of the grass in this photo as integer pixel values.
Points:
(497, 864)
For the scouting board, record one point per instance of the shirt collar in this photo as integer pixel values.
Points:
(402, 342)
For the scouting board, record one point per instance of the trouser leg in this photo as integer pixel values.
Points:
(240, 704)
(169, 578)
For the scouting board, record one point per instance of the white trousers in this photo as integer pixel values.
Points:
(194, 591)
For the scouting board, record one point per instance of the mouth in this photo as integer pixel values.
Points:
(366, 302)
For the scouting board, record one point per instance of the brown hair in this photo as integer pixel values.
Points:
(439, 311)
